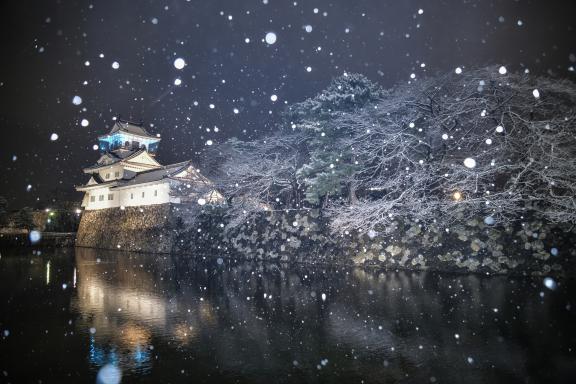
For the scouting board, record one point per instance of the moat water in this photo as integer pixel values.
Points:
(71, 315)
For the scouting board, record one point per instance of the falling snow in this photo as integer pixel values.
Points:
(270, 38)
(179, 63)
(469, 162)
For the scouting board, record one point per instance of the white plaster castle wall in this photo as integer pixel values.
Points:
(111, 172)
(129, 197)
(145, 195)
(97, 203)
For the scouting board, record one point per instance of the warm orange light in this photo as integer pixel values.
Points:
(457, 196)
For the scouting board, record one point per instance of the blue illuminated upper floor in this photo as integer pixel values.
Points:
(121, 140)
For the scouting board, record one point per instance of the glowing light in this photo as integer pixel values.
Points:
(550, 283)
(209, 142)
(48, 273)
(458, 70)
(54, 137)
(179, 63)
(177, 81)
(469, 162)
(457, 196)
(201, 201)
(115, 65)
(499, 129)
(502, 70)
(109, 374)
(536, 93)
(270, 38)
(76, 100)
(84, 123)
(34, 236)
(308, 28)
(273, 97)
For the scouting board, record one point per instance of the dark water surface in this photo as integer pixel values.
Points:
(161, 319)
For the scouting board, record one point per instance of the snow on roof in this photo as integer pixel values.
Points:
(114, 157)
(129, 127)
(153, 175)
(171, 172)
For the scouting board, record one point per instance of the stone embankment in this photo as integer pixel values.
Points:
(531, 247)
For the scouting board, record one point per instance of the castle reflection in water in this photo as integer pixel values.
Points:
(156, 312)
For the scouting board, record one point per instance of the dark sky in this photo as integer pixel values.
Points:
(47, 44)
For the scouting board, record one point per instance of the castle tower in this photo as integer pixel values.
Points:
(128, 175)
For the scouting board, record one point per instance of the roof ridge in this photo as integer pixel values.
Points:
(177, 164)
(139, 151)
(121, 120)
(130, 127)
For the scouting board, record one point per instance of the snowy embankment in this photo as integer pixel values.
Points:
(468, 246)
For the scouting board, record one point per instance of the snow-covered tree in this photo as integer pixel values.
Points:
(485, 144)
(259, 175)
(478, 144)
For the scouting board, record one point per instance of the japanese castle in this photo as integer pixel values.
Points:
(128, 175)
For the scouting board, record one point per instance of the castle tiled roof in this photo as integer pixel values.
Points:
(152, 175)
(129, 127)
(114, 157)
(131, 179)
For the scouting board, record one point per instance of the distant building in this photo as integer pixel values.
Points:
(128, 175)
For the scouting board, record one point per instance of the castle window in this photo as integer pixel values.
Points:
(155, 192)
(142, 194)
(127, 144)
(131, 195)
(92, 199)
(110, 196)
(101, 198)
(107, 175)
(117, 174)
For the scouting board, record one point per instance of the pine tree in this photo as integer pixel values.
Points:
(332, 160)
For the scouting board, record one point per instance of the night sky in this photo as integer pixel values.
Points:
(55, 50)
